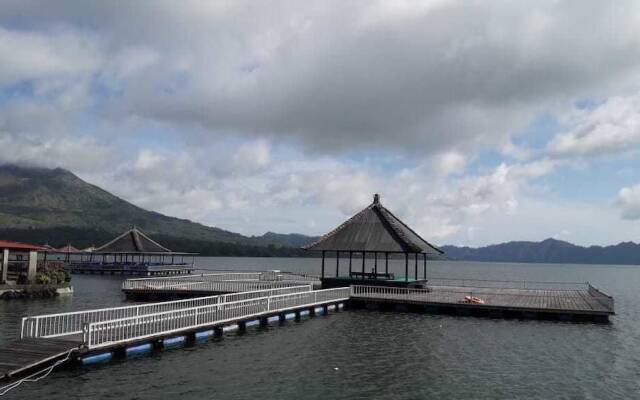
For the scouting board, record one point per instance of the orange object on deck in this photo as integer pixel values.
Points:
(473, 300)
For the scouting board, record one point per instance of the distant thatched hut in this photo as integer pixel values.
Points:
(134, 253)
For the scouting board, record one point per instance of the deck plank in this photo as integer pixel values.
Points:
(26, 353)
(536, 300)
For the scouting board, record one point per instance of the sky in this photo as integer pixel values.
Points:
(478, 122)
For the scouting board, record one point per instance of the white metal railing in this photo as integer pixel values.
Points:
(505, 284)
(62, 324)
(445, 294)
(204, 286)
(277, 275)
(214, 276)
(105, 333)
(606, 300)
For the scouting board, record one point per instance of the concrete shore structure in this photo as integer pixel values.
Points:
(19, 261)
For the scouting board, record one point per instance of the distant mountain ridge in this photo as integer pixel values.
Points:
(285, 239)
(54, 206)
(548, 251)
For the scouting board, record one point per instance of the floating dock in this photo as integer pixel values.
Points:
(260, 298)
(506, 299)
(509, 299)
(22, 356)
(98, 335)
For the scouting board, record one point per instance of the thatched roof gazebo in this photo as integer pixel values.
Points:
(132, 241)
(133, 252)
(374, 231)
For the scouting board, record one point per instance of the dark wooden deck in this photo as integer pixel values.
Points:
(22, 356)
(579, 303)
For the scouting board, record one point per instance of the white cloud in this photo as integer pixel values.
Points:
(30, 56)
(286, 122)
(252, 155)
(449, 163)
(629, 202)
(612, 127)
(78, 154)
(424, 77)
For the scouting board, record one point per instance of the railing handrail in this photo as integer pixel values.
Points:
(193, 276)
(166, 282)
(158, 303)
(100, 334)
(439, 289)
(72, 326)
(228, 303)
(506, 280)
(258, 274)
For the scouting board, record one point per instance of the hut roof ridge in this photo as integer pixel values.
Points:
(380, 230)
(138, 243)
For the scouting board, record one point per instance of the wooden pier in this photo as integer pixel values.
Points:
(85, 336)
(97, 335)
(530, 300)
(22, 356)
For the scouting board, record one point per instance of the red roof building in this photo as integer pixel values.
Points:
(17, 246)
(25, 265)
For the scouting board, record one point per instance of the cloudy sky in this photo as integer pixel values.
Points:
(478, 122)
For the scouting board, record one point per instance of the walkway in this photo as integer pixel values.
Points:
(47, 338)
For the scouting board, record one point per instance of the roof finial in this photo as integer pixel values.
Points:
(376, 198)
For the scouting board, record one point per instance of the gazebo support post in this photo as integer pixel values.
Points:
(337, 264)
(416, 267)
(375, 264)
(322, 271)
(406, 267)
(425, 266)
(363, 258)
(350, 257)
(386, 262)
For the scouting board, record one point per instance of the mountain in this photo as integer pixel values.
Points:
(288, 240)
(55, 206)
(548, 251)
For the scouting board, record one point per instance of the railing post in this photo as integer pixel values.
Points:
(86, 335)
(22, 327)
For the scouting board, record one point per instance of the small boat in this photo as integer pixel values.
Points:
(473, 300)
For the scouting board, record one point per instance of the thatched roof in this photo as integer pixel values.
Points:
(68, 249)
(374, 229)
(133, 241)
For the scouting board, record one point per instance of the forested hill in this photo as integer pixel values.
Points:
(54, 206)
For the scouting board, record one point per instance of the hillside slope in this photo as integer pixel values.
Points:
(57, 207)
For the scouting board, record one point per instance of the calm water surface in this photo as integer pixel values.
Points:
(371, 355)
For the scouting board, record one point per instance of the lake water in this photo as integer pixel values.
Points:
(369, 354)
